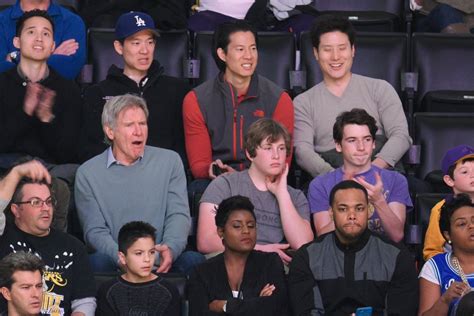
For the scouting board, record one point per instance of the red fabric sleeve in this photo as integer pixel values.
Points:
(196, 135)
(285, 114)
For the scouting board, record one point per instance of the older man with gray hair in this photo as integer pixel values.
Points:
(131, 181)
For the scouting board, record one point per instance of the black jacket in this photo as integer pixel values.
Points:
(164, 97)
(53, 142)
(329, 278)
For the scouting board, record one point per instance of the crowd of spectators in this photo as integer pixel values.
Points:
(125, 155)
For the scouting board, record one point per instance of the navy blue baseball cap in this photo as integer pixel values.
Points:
(133, 22)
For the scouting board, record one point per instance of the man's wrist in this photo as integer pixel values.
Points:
(224, 307)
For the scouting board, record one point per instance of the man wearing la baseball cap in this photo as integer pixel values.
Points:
(135, 36)
(458, 171)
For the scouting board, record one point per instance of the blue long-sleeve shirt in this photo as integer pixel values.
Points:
(67, 25)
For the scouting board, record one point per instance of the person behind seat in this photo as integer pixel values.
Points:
(218, 113)
(69, 54)
(40, 111)
(21, 283)
(138, 291)
(68, 280)
(446, 277)
(282, 212)
(341, 90)
(130, 181)
(240, 281)
(142, 75)
(458, 170)
(352, 267)
(354, 135)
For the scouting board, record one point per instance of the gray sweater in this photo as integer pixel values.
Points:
(152, 190)
(316, 111)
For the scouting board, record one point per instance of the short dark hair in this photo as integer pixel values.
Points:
(18, 194)
(30, 14)
(354, 116)
(453, 167)
(18, 261)
(329, 23)
(231, 204)
(266, 128)
(132, 231)
(345, 185)
(450, 206)
(222, 35)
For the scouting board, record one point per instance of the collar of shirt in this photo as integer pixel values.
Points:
(24, 77)
(112, 161)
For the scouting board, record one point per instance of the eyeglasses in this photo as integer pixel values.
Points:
(37, 202)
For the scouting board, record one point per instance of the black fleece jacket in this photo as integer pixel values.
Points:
(164, 97)
(53, 142)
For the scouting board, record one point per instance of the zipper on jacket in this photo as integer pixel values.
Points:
(234, 125)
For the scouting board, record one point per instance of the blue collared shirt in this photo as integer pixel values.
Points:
(112, 160)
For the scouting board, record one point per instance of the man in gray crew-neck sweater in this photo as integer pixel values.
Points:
(341, 90)
(131, 181)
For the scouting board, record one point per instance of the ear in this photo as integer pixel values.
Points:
(53, 47)
(339, 147)
(16, 42)
(15, 210)
(446, 235)
(353, 51)
(248, 156)
(6, 293)
(220, 232)
(315, 53)
(331, 214)
(109, 132)
(221, 54)
(449, 181)
(118, 47)
(122, 259)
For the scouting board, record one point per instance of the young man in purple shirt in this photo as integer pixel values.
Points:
(354, 135)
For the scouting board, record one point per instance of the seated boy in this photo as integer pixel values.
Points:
(458, 170)
(138, 291)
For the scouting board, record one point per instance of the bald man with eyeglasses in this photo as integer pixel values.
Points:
(67, 276)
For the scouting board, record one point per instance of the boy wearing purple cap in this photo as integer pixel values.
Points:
(135, 35)
(458, 170)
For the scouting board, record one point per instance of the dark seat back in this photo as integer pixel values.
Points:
(367, 15)
(377, 55)
(444, 62)
(171, 51)
(276, 51)
(438, 132)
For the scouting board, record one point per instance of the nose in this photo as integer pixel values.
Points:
(147, 257)
(144, 48)
(36, 292)
(360, 145)
(275, 153)
(351, 215)
(245, 229)
(335, 54)
(137, 129)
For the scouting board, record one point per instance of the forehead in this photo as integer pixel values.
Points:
(277, 142)
(37, 22)
(241, 37)
(240, 215)
(350, 197)
(141, 35)
(143, 243)
(354, 130)
(35, 190)
(333, 38)
(465, 163)
(131, 112)
(463, 212)
(22, 277)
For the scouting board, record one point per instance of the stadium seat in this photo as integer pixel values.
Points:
(377, 55)
(435, 133)
(445, 72)
(276, 51)
(171, 51)
(367, 15)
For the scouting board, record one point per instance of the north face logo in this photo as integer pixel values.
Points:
(139, 21)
